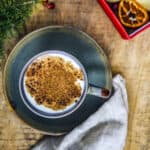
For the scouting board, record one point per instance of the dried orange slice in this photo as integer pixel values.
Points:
(132, 14)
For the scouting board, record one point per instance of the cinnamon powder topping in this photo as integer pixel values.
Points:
(52, 82)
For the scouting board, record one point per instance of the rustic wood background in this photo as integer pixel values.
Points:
(129, 58)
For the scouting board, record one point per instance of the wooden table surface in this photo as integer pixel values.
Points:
(129, 58)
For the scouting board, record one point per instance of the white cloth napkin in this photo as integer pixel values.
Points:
(104, 130)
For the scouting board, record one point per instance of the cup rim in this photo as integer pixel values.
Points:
(42, 113)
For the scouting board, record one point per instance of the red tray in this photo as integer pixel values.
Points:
(126, 34)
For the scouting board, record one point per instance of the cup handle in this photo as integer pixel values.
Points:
(98, 91)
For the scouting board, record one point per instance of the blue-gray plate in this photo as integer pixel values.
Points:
(69, 40)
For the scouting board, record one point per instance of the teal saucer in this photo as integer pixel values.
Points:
(72, 41)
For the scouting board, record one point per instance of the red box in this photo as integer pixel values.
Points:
(126, 33)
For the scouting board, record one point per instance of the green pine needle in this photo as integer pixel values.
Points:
(13, 14)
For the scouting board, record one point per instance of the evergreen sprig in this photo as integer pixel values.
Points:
(13, 14)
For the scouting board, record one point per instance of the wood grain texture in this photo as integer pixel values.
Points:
(129, 58)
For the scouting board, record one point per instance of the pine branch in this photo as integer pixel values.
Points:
(13, 14)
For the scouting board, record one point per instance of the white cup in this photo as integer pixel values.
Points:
(46, 112)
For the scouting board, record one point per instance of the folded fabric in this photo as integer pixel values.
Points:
(104, 130)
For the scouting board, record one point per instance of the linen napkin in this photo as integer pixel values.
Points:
(104, 130)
